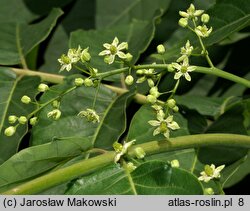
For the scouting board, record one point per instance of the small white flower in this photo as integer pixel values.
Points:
(114, 49)
(122, 150)
(183, 69)
(210, 172)
(163, 124)
(203, 31)
(191, 12)
(90, 115)
(55, 114)
(185, 51)
(72, 57)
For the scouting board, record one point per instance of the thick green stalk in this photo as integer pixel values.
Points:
(154, 147)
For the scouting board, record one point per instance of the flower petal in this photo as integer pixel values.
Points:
(187, 76)
(121, 54)
(156, 131)
(154, 123)
(173, 125)
(115, 42)
(166, 134)
(106, 45)
(176, 66)
(123, 45)
(105, 52)
(177, 75)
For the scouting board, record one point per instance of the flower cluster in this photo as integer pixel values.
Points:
(149, 75)
(121, 149)
(73, 56)
(193, 14)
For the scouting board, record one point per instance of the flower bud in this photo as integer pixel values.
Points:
(154, 91)
(175, 163)
(176, 109)
(170, 68)
(171, 103)
(33, 121)
(140, 72)
(161, 49)
(79, 81)
(150, 82)
(12, 119)
(25, 99)
(183, 22)
(43, 87)
(129, 57)
(55, 104)
(85, 56)
(10, 131)
(129, 80)
(55, 114)
(139, 153)
(208, 191)
(130, 167)
(22, 120)
(151, 99)
(205, 18)
(88, 82)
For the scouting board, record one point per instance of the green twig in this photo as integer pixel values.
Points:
(154, 147)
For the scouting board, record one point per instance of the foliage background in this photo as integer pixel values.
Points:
(35, 33)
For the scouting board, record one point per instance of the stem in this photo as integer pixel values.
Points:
(96, 94)
(154, 147)
(53, 78)
(112, 72)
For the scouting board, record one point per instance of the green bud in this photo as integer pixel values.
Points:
(79, 81)
(176, 109)
(139, 153)
(55, 104)
(171, 103)
(55, 114)
(208, 191)
(25, 99)
(154, 91)
(117, 146)
(22, 120)
(10, 131)
(129, 80)
(170, 68)
(140, 72)
(130, 167)
(183, 22)
(151, 82)
(85, 56)
(175, 163)
(129, 57)
(88, 82)
(12, 119)
(43, 87)
(161, 49)
(33, 121)
(205, 18)
(151, 99)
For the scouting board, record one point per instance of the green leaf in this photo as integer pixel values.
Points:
(138, 34)
(209, 106)
(12, 88)
(113, 123)
(230, 122)
(15, 11)
(235, 172)
(35, 160)
(110, 13)
(142, 131)
(18, 39)
(150, 178)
